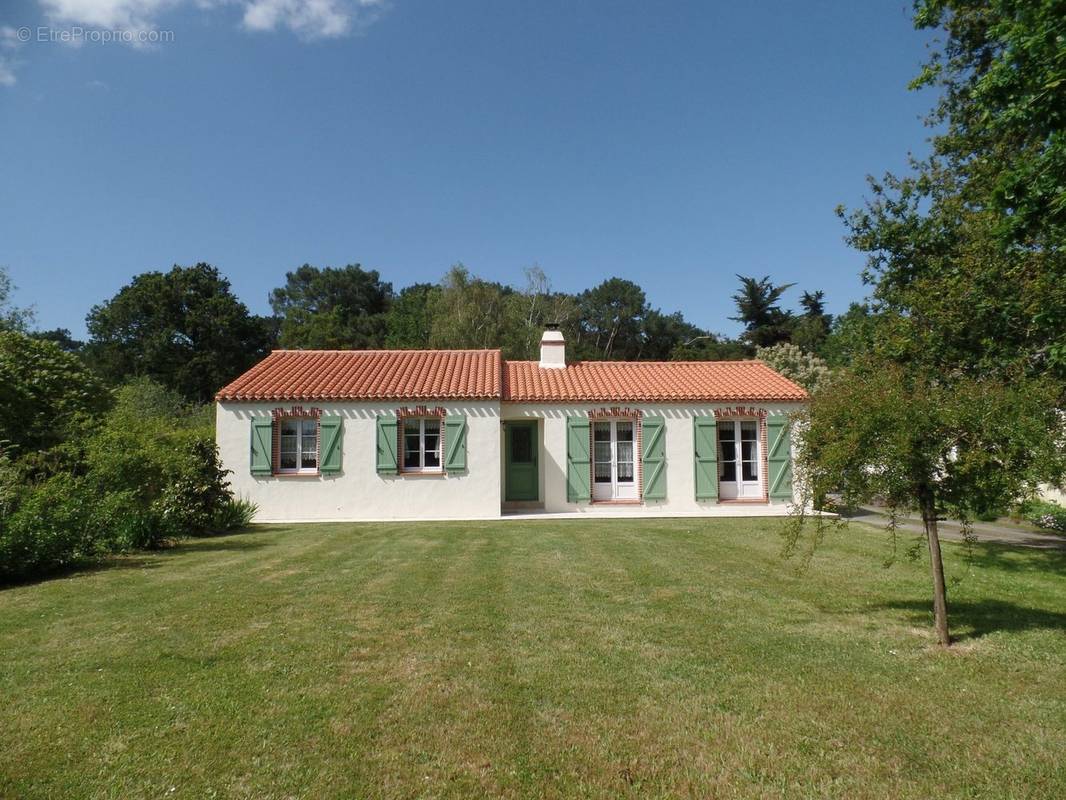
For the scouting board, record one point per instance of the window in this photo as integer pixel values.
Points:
(613, 460)
(739, 459)
(421, 444)
(298, 452)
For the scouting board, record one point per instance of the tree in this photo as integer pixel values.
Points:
(332, 308)
(1001, 70)
(765, 322)
(612, 317)
(61, 337)
(811, 328)
(43, 392)
(468, 312)
(796, 364)
(968, 250)
(12, 318)
(530, 309)
(409, 321)
(183, 328)
(882, 430)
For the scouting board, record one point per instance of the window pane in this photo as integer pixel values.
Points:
(625, 431)
(522, 445)
(603, 452)
(412, 425)
(728, 470)
(287, 458)
(749, 471)
(601, 431)
(747, 450)
(749, 430)
(288, 427)
(625, 452)
(625, 471)
(603, 472)
(729, 451)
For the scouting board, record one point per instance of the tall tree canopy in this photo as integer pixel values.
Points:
(43, 392)
(12, 317)
(332, 308)
(468, 312)
(758, 307)
(611, 323)
(183, 328)
(968, 251)
(949, 404)
(409, 321)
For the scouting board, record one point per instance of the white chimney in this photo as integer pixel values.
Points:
(552, 348)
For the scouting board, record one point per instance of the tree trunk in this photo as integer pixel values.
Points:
(940, 595)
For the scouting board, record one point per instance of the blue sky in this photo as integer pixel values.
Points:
(674, 144)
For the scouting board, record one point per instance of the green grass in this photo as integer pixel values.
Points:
(534, 659)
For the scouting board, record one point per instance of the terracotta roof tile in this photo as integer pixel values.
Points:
(648, 381)
(370, 375)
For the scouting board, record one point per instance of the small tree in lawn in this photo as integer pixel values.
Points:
(917, 440)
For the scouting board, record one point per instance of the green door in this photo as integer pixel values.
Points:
(522, 482)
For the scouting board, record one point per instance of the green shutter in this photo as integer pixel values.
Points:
(455, 443)
(779, 443)
(578, 488)
(653, 458)
(706, 453)
(262, 445)
(387, 440)
(329, 445)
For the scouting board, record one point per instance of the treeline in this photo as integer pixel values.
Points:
(188, 331)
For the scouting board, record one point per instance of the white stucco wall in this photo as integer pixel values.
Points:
(359, 492)
(680, 447)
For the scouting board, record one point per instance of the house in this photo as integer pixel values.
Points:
(446, 434)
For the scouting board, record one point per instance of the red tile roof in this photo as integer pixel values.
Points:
(649, 381)
(370, 375)
(482, 374)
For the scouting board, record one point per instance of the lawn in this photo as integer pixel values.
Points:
(657, 658)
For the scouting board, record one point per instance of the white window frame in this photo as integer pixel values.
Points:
(740, 489)
(615, 489)
(299, 469)
(422, 445)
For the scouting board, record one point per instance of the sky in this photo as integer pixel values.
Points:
(674, 144)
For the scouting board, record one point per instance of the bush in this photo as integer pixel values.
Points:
(1044, 514)
(146, 472)
(53, 527)
(234, 515)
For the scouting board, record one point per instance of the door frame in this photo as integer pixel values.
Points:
(618, 490)
(508, 427)
(740, 489)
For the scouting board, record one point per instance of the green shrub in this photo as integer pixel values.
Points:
(1045, 514)
(237, 513)
(52, 527)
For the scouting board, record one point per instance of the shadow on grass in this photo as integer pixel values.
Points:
(1009, 558)
(972, 620)
(147, 559)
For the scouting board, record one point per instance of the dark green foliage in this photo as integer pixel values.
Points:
(142, 474)
(234, 515)
(1001, 69)
(183, 328)
(61, 338)
(612, 321)
(765, 322)
(409, 321)
(335, 308)
(43, 392)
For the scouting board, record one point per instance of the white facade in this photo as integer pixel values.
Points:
(360, 492)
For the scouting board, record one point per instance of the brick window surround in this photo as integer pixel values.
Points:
(418, 412)
(758, 414)
(635, 415)
(301, 413)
